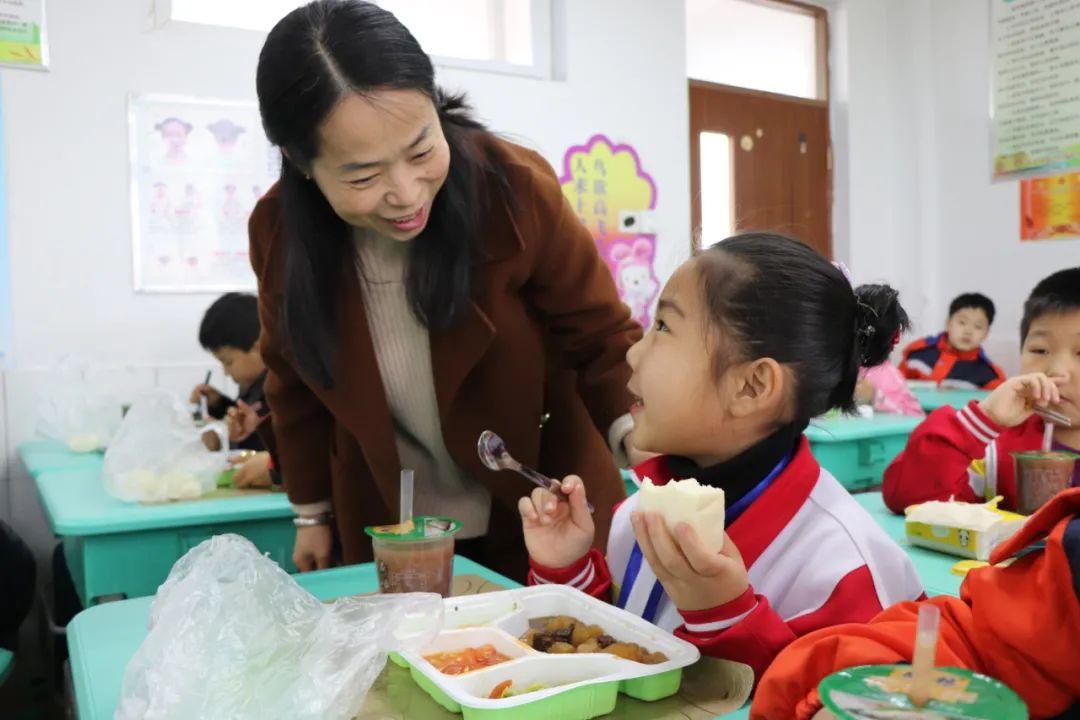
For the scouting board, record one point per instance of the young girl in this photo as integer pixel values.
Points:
(753, 337)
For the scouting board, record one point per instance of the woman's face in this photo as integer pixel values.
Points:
(382, 159)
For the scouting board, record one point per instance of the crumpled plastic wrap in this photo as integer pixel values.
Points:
(158, 454)
(78, 409)
(233, 636)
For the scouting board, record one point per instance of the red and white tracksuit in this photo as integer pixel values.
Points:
(815, 558)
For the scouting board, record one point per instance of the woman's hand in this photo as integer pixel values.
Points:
(242, 419)
(558, 533)
(313, 548)
(253, 472)
(693, 577)
(1013, 402)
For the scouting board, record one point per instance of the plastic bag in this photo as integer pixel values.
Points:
(233, 636)
(158, 454)
(78, 410)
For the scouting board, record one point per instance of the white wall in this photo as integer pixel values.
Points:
(979, 221)
(879, 70)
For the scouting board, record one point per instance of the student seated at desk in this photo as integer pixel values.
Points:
(965, 453)
(753, 337)
(1018, 623)
(230, 332)
(955, 357)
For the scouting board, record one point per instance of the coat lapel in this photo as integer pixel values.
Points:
(358, 398)
(456, 351)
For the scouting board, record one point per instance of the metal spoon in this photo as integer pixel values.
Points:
(493, 453)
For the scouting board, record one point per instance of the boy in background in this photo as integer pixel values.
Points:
(955, 357)
(230, 332)
(965, 453)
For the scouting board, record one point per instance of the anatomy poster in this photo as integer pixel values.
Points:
(197, 169)
(614, 197)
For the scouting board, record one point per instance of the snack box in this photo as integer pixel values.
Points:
(965, 529)
(574, 686)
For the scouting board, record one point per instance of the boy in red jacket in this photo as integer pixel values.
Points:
(1016, 622)
(965, 453)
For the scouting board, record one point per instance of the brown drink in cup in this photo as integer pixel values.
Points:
(415, 557)
(1040, 476)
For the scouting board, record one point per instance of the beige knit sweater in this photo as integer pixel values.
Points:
(403, 351)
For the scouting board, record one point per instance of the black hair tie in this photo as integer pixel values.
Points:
(865, 315)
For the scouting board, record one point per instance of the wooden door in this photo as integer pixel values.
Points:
(781, 178)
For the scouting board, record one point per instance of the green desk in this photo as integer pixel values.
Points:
(43, 455)
(118, 548)
(102, 639)
(7, 664)
(934, 568)
(932, 398)
(857, 450)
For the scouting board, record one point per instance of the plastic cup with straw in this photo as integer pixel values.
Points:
(922, 664)
(417, 554)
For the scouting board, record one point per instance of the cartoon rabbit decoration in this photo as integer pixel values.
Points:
(634, 278)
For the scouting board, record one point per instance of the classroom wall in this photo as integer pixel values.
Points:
(978, 220)
(879, 77)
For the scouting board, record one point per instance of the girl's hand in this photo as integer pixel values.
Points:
(242, 421)
(1012, 402)
(693, 577)
(558, 533)
(254, 472)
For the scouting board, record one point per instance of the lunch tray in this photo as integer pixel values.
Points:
(578, 686)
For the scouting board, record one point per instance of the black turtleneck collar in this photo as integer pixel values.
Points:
(742, 473)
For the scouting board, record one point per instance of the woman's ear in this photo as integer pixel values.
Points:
(758, 385)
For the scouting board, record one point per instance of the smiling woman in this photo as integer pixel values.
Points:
(421, 280)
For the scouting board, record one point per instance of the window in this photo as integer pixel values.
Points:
(507, 36)
(777, 47)
(716, 172)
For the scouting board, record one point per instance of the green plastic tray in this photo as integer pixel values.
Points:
(581, 703)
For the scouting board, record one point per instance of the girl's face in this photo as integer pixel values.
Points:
(680, 406)
(382, 160)
(1052, 346)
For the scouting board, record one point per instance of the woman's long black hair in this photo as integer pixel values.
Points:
(315, 56)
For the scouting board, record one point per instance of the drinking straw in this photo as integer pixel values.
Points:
(406, 506)
(1048, 437)
(922, 664)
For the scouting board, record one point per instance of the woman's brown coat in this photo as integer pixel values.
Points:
(544, 335)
